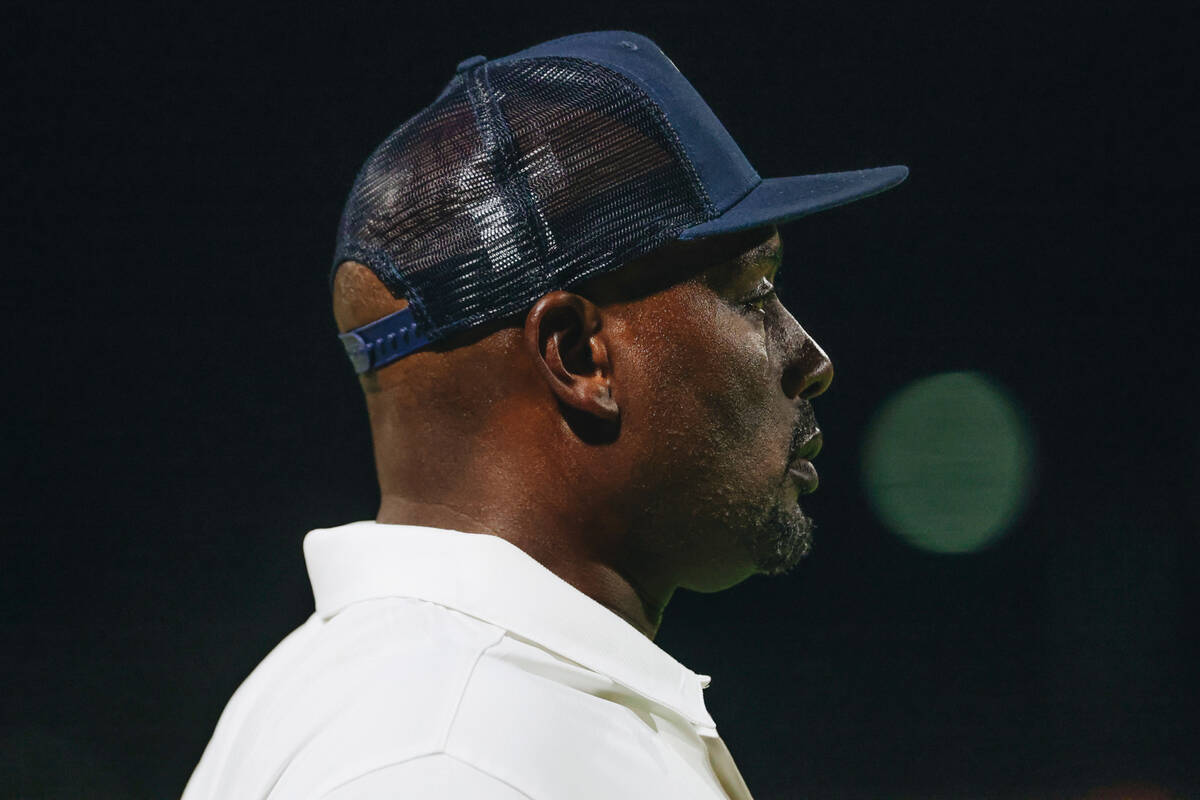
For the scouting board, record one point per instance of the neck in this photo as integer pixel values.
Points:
(574, 553)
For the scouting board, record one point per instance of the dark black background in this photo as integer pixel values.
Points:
(182, 413)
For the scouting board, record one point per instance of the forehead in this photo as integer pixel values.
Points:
(753, 254)
(713, 261)
(726, 256)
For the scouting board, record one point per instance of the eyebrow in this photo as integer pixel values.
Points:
(763, 259)
(771, 254)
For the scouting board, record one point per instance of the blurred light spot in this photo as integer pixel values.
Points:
(947, 462)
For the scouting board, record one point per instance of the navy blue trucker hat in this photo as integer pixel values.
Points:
(535, 171)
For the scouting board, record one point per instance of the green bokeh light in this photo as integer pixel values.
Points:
(947, 462)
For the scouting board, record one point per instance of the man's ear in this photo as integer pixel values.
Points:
(562, 336)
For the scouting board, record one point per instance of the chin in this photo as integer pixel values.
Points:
(781, 540)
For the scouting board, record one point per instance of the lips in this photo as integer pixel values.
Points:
(801, 469)
(810, 447)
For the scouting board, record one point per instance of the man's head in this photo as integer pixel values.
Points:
(555, 282)
(661, 410)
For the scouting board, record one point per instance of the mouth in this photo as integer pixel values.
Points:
(811, 446)
(801, 468)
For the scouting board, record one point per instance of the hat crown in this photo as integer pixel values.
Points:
(723, 169)
(530, 173)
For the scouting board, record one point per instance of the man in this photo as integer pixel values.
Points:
(556, 284)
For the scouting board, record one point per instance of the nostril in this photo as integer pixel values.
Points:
(809, 370)
(819, 382)
(809, 377)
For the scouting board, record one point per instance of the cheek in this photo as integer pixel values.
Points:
(714, 396)
(736, 376)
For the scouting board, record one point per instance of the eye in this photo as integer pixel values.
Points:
(758, 301)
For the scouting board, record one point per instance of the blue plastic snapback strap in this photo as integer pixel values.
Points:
(383, 341)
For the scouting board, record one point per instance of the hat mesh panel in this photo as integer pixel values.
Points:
(521, 178)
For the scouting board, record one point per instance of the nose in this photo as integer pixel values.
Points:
(810, 371)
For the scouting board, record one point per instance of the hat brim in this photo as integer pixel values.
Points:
(778, 200)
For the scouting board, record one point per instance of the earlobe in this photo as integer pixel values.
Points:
(563, 337)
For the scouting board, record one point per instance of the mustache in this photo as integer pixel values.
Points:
(805, 427)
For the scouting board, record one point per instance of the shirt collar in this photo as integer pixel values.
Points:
(492, 579)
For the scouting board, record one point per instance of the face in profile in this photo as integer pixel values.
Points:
(725, 411)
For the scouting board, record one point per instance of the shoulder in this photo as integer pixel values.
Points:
(554, 728)
(403, 697)
(377, 684)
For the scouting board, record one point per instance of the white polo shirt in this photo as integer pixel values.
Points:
(442, 664)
